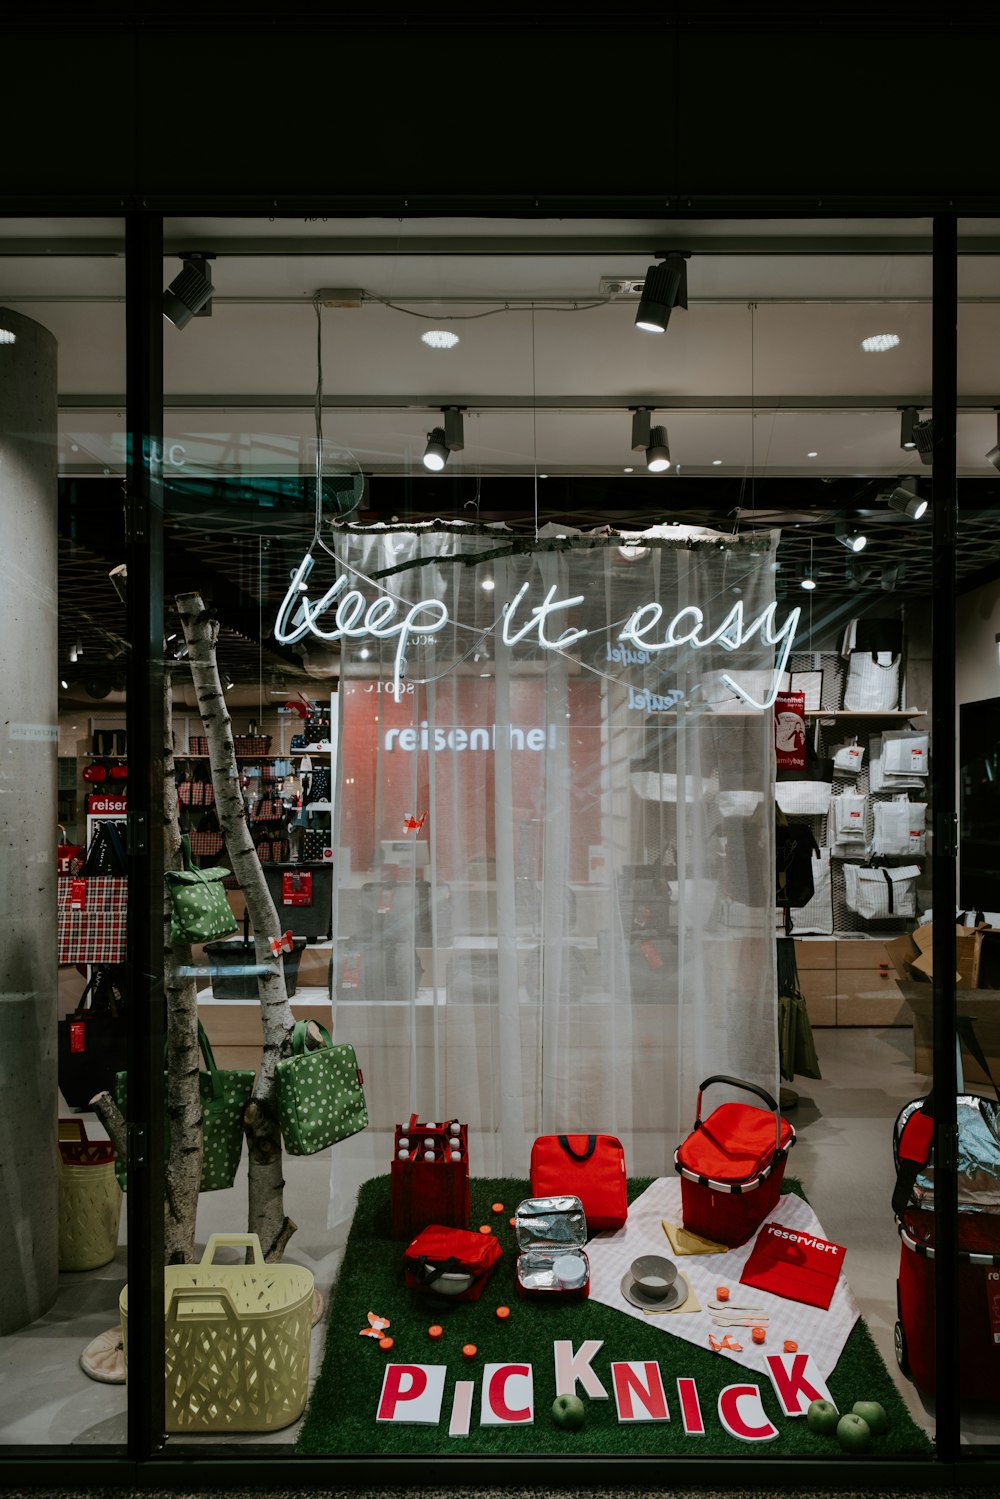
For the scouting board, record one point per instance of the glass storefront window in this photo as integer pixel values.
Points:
(64, 1010)
(514, 672)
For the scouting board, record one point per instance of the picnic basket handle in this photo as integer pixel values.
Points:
(193, 1295)
(233, 1241)
(737, 1082)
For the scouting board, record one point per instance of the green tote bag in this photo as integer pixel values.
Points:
(224, 1097)
(199, 909)
(320, 1094)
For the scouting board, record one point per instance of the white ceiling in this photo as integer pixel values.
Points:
(763, 369)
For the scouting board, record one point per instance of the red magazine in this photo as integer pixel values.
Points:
(793, 1263)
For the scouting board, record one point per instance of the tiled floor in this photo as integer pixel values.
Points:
(843, 1156)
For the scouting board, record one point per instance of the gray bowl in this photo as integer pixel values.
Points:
(653, 1275)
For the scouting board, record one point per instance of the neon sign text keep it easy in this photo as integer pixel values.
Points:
(354, 618)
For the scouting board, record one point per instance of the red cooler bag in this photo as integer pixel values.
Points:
(591, 1167)
(450, 1264)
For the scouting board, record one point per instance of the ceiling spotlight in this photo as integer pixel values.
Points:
(664, 288)
(993, 456)
(658, 452)
(442, 441)
(64, 684)
(227, 681)
(808, 582)
(190, 293)
(905, 499)
(880, 343)
(650, 440)
(851, 538)
(439, 338)
(907, 425)
(892, 574)
(924, 434)
(7, 337)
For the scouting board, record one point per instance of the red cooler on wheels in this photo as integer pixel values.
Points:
(978, 1227)
(731, 1166)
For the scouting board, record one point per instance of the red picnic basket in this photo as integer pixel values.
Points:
(731, 1166)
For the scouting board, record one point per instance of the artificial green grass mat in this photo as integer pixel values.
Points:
(341, 1414)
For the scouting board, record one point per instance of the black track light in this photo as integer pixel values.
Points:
(905, 499)
(653, 441)
(907, 423)
(851, 538)
(442, 441)
(190, 293)
(993, 456)
(664, 288)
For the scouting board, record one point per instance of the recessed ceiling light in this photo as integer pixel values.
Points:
(880, 343)
(489, 585)
(628, 471)
(716, 462)
(6, 337)
(439, 338)
(812, 455)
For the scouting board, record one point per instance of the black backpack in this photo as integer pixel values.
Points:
(795, 849)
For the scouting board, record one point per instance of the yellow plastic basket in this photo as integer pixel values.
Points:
(237, 1341)
(90, 1200)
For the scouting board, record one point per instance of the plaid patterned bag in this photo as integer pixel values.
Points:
(205, 844)
(93, 904)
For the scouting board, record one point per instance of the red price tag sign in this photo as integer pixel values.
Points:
(77, 1040)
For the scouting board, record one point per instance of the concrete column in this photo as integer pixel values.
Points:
(28, 834)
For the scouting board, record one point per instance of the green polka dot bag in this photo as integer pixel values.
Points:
(320, 1094)
(199, 907)
(224, 1097)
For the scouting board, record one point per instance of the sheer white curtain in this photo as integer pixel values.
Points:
(558, 912)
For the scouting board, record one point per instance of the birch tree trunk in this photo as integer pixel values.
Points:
(183, 1092)
(266, 1215)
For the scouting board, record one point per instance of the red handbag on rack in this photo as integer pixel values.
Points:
(591, 1167)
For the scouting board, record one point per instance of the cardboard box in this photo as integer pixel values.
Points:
(984, 1007)
(912, 955)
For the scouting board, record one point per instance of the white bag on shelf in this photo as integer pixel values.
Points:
(803, 798)
(817, 916)
(849, 758)
(879, 779)
(899, 828)
(872, 682)
(881, 894)
(905, 753)
(849, 817)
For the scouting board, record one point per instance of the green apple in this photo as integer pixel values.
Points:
(568, 1412)
(822, 1416)
(853, 1433)
(873, 1413)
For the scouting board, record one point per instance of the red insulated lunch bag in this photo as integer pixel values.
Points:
(591, 1167)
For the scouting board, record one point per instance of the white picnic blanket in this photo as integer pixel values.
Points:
(820, 1333)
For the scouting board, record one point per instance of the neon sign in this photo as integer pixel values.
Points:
(644, 636)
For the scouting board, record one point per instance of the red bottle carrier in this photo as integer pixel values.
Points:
(731, 1166)
(431, 1184)
(978, 1307)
